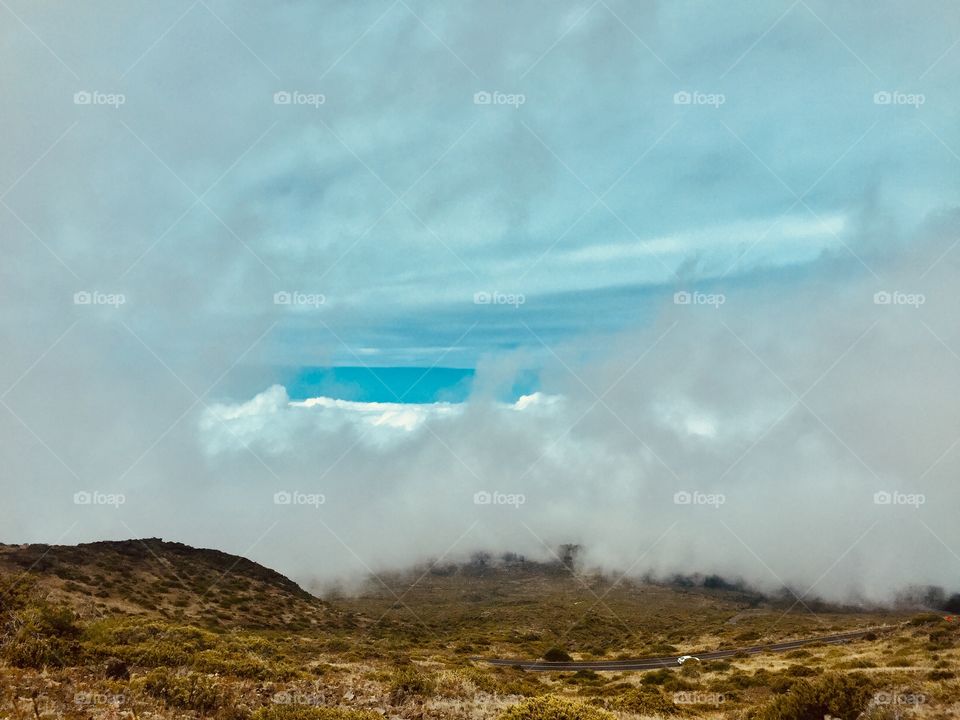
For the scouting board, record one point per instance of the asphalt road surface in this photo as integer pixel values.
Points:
(654, 663)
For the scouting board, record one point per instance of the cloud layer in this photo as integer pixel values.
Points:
(791, 171)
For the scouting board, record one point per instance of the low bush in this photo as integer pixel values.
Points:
(551, 707)
(717, 666)
(409, 682)
(303, 712)
(40, 635)
(644, 701)
(941, 640)
(506, 681)
(191, 691)
(925, 619)
(844, 696)
(801, 671)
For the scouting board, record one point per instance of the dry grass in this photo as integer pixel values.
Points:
(403, 666)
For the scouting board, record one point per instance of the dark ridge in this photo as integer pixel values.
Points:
(166, 580)
(43, 558)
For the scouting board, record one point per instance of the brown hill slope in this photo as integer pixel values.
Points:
(168, 579)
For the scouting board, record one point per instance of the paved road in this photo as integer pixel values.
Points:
(654, 663)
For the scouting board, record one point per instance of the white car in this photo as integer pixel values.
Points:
(683, 658)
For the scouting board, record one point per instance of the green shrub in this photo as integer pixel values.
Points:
(644, 701)
(925, 619)
(556, 654)
(303, 712)
(241, 664)
(718, 666)
(584, 677)
(657, 677)
(667, 679)
(505, 681)
(338, 645)
(940, 639)
(409, 682)
(41, 635)
(800, 671)
(661, 648)
(551, 707)
(158, 644)
(191, 691)
(781, 684)
(844, 696)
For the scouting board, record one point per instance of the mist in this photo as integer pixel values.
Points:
(734, 377)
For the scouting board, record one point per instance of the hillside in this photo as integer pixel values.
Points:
(152, 577)
(153, 629)
(512, 607)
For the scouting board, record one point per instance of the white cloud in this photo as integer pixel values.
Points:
(270, 418)
(691, 398)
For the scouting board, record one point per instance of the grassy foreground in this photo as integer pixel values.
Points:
(407, 647)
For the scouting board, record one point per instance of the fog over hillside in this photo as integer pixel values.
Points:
(787, 408)
(756, 378)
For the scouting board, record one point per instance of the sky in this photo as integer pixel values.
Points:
(393, 254)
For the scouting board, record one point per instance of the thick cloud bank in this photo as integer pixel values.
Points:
(801, 432)
(797, 434)
(723, 237)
